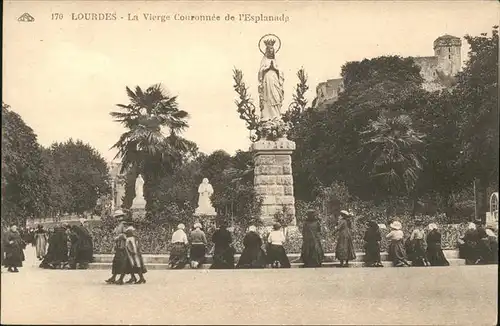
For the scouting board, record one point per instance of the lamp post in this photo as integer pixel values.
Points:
(475, 199)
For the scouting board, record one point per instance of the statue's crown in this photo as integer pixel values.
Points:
(269, 42)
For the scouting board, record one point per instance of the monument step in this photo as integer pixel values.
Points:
(355, 264)
(295, 257)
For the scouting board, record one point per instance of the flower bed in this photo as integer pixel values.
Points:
(156, 239)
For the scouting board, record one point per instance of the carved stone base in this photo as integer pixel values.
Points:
(273, 180)
(207, 221)
(139, 203)
(138, 213)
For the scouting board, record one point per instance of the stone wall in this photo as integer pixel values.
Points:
(273, 180)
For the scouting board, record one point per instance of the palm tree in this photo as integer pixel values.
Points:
(393, 152)
(144, 145)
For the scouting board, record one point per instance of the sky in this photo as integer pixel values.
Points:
(64, 76)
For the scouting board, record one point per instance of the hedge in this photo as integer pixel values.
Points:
(155, 239)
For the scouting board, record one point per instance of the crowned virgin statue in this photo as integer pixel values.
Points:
(205, 207)
(270, 81)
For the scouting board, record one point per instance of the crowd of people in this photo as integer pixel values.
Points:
(71, 247)
(62, 247)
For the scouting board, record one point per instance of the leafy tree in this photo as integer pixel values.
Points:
(25, 192)
(144, 148)
(477, 102)
(80, 176)
(393, 160)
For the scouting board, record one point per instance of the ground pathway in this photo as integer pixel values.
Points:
(411, 296)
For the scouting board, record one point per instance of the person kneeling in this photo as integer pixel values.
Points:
(276, 253)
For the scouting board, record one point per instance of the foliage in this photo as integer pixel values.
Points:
(273, 129)
(244, 104)
(299, 102)
(25, 179)
(80, 178)
(394, 158)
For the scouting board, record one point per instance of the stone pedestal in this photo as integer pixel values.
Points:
(273, 180)
(207, 221)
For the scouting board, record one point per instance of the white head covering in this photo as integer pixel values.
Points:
(130, 229)
(471, 226)
(346, 213)
(396, 225)
(181, 226)
(118, 213)
(490, 233)
(433, 226)
(197, 225)
(82, 220)
(252, 228)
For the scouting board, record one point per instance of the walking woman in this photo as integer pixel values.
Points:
(312, 251)
(252, 256)
(397, 252)
(121, 265)
(372, 245)
(223, 249)
(41, 241)
(134, 255)
(14, 246)
(276, 252)
(178, 253)
(435, 253)
(417, 241)
(198, 246)
(345, 246)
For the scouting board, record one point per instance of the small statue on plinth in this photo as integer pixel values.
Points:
(205, 207)
(139, 200)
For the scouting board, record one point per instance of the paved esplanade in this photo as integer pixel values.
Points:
(453, 295)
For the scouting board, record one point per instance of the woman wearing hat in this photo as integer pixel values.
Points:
(417, 240)
(178, 253)
(134, 255)
(276, 252)
(372, 245)
(223, 250)
(345, 246)
(397, 252)
(121, 265)
(198, 246)
(312, 251)
(435, 253)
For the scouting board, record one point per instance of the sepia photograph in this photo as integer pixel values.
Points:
(250, 162)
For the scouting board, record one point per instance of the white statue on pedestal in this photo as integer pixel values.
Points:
(271, 80)
(205, 207)
(139, 200)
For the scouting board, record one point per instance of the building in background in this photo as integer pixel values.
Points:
(437, 71)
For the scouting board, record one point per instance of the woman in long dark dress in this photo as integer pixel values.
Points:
(435, 253)
(133, 249)
(57, 253)
(468, 245)
(489, 247)
(84, 246)
(397, 252)
(198, 246)
(179, 250)
(372, 245)
(14, 246)
(121, 265)
(253, 256)
(312, 253)
(223, 250)
(276, 254)
(345, 246)
(418, 245)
